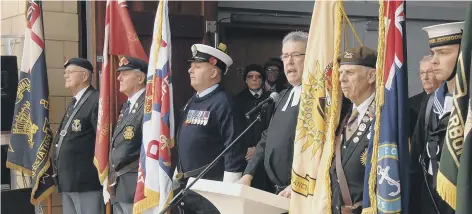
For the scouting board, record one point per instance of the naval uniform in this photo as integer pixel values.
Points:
(208, 125)
(77, 177)
(275, 149)
(430, 131)
(427, 143)
(124, 153)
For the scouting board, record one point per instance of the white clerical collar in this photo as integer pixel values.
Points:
(363, 107)
(135, 98)
(207, 91)
(258, 92)
(80, 94)
(296, 93)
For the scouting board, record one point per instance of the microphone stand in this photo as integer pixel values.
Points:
(184, 191)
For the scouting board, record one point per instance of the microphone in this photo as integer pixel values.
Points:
(274, 96)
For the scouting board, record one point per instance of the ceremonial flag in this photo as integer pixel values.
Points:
(454, 169)
(389, 168)
(314, 114)
(154, 186)
(120, 39)
(31, 135)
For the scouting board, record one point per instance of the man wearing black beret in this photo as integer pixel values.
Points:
(74, 144)
(127, 136)
(357, 78)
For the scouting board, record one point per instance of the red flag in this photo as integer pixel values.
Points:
(120, 39)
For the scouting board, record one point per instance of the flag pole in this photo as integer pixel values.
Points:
(111, 118)
(50, 204)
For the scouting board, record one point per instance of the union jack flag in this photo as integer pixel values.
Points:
(154, 186)
(392, 160)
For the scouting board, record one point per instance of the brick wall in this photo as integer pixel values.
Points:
(61, 34)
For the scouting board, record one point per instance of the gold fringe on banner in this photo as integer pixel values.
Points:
(379, 101)
(335, 97)
(447, 189)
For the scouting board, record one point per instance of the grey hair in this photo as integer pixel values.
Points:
(296, 36)
(426, 59)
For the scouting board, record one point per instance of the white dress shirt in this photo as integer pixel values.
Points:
(207, 91)
(135, 98)
(363, 107)
(296, 93)
(258, 92)
(79, 95)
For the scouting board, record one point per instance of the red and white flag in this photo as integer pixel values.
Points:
(154, 186)
(120, 39)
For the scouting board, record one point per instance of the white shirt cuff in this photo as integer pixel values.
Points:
(231, 177)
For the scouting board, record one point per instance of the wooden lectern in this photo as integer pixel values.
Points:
(232, 198)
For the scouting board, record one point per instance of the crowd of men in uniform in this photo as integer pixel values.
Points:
(212, 119)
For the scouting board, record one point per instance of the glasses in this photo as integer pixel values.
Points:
(295, 56)
(68, 73)
(423, 74)
(271, 70)
(252, 76)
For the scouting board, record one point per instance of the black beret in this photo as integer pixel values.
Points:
(358, 56)
(84, 63)
(131, 63)
(254, 67)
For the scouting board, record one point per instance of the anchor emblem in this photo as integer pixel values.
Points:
(385, 176)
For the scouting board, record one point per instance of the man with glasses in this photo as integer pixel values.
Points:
(275, 149)
(251, 96)
(429, 83)
(275, 82)
(74, 144)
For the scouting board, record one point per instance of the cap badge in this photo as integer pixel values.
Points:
(194, 51)
(348, 55)
(212, 60)
(124, 61)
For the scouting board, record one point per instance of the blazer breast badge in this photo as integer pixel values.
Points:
(76, 126)
(128, 134)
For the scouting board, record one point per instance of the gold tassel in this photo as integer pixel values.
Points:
(446, 190)
(335, 97)
(379, 101)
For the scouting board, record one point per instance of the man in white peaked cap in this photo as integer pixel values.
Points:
(430, 131)
(207, 126)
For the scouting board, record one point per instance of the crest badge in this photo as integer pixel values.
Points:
(128, 134)
(362, 127)
(194, 51)
(123, 61)
(348, 55)
(76, 126)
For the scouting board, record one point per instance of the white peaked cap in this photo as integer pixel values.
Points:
(444, 34)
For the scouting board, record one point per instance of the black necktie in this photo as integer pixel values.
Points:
(256, 96)
(126, 107)
(70, 108)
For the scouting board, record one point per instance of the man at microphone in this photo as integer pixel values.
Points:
(207, 126)
(275, 149)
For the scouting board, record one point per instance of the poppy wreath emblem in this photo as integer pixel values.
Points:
(212, 60)
(124, 61)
